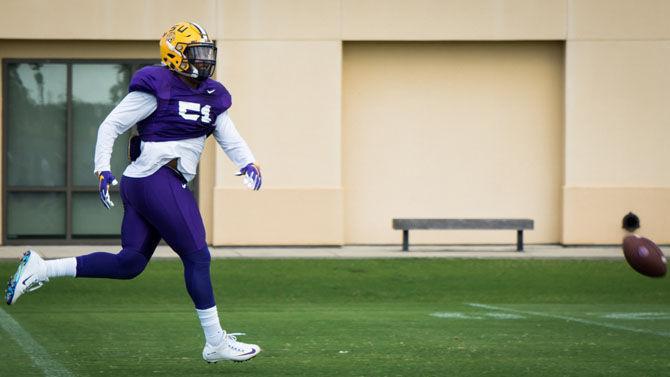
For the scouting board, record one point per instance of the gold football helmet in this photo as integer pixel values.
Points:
(187, 50)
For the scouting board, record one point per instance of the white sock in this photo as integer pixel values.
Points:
(209, 320)
(61, 267)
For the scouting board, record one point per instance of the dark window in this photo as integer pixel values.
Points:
(52, 110)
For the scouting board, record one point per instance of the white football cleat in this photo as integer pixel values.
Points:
(32, 273)
(230, 349)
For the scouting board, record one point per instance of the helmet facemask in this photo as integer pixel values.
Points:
(199, 60)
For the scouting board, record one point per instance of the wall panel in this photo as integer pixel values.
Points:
(452, 130)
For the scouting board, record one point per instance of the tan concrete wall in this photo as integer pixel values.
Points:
(279, 19)
(101, 19)
(454, 19)
(593, 214)
(282, 62)
(289, 113)
(270, 46)
(278, 216)
(452, 130)
(57, 49)
(288, 19)
(618, 19)
(617, 86)
(618, 113)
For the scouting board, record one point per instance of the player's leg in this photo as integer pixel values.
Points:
(173, 211)
(139, 240)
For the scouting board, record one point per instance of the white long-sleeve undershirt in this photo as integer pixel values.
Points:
(136, 106)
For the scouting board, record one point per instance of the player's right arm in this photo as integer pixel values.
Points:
(134, 107)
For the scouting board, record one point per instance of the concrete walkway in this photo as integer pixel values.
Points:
(350, 252)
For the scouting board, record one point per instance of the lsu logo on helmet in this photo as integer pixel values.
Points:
(186, 49)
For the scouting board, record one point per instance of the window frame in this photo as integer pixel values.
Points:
(69, 188)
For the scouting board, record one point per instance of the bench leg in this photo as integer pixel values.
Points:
(519, 240)
(405, 240)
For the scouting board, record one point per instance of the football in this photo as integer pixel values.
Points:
(644, 256)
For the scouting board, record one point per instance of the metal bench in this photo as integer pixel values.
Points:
(492, 224)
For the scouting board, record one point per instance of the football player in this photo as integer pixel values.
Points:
(176, 106)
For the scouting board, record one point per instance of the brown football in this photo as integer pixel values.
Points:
(644, 256)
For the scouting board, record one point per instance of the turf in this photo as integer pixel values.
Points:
(358, 318)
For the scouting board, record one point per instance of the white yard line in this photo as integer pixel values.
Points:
(571, 319)
(38, 355)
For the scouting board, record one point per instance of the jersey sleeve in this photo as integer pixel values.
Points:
(134, 107)
(145, 80)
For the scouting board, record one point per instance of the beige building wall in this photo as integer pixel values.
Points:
(421, 20)
(617, 119)
(101, 19)
(283, 60)
(289, 113)
(452, 130)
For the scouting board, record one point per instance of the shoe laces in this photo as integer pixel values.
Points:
(232, 341)
(41, 277)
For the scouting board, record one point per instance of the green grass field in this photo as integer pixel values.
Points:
(415, 317)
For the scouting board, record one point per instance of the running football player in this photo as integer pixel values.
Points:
(176, 106)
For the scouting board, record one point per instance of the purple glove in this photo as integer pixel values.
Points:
(252, 176)
(106, 178)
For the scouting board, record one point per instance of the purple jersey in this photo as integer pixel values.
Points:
(182, 112)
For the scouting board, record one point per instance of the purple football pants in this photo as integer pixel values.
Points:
(155, 207)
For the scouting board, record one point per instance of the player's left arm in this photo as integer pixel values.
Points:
(237, 151)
